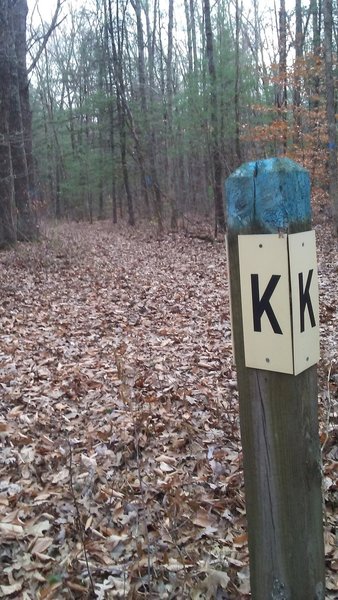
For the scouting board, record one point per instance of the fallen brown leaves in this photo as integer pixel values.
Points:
(120, 455)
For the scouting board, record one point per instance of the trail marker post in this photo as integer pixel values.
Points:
(274, 303)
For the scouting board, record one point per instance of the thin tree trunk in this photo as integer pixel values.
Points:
(192, 89)
(189, 39)
(330, 108)
(170, 137)
(151, 35)
(112, 148)
(281, 96)
(297, 80)
(193, 34)
(123, 146)
(7, 204)
(109, 91)
(25, 191)
(143, 100)
(55, 162)
(215, 150)
(101, 214)
(117, 48)
(57, 201)
(314, 84)
(237, 85)
(316, 51)
(49, 190)
(256, 47)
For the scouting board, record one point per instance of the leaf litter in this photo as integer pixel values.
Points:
(121, 467)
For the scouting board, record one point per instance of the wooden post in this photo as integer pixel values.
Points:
(278, 411)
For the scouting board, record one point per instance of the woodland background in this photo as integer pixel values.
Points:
(121, 466)
(141, 109)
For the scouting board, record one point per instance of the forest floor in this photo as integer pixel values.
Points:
(120, 458)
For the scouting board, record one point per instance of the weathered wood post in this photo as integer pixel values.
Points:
(275, 334)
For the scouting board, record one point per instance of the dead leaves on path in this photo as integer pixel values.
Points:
(120, 460)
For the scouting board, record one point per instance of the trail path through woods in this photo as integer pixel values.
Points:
(120, 459)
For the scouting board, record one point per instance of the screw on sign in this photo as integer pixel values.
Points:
(274, 301)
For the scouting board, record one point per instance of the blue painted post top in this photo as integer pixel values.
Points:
(271, 193)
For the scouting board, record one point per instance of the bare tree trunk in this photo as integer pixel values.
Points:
(151, 35)
(109, 91)
(188, 20)
(56, 167)
(315, 82)
(49, 189)
(330, 107)
(112, 148)
(192, 157)
(237, 85)
(101, 214)
(57, 199)
(20, 16)
(143, 100)
(297, 80)
(316, 9)
(215, 150)
(19, 162)
(24, 172)
(316, 50)
(117, 47)
(256, 47)
(123, 150)
(7, 204)
(170, 137)
(281, 95)
(193, 34)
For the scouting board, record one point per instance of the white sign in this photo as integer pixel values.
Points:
(304, 299)
(279, 292)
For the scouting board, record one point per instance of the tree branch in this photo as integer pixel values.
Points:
(54, 24)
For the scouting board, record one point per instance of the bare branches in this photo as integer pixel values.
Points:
(46, 35)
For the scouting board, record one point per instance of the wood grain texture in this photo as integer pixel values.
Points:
(278, 412)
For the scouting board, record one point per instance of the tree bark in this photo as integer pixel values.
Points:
(151, 34)
(193, 34)
(117, 48)
(19, 161)
(109, 91)
(16, 136)
(215, 150)
(7, 204)
(281, 95)
(23, 163)
(143, 99)
(297, 80)
(170, 138)
(330, 108)
(189, 38)
(237, 85)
